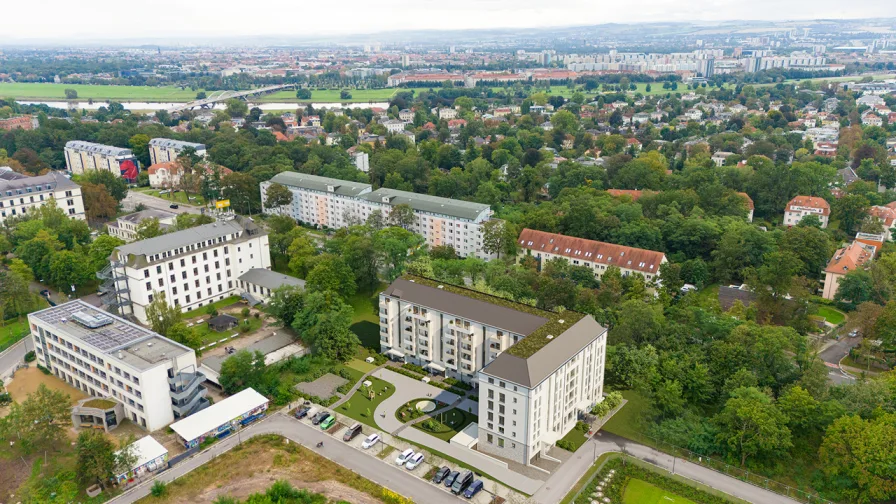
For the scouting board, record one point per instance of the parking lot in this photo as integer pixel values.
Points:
(397, 446)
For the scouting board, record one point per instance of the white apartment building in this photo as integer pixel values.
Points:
(153, 378)
(447, 113)
(394, 126)
(125, 227)
(193, 267)
(81, 157)
(334, 203)
(20, 194)
(165, 149)
(803, 206)
(598, 256)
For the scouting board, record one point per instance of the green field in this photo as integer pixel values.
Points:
(12, 332)
(47, 91)
(627, 421)
(366, 322)
(175, 197)
(641, 492)
(332, 95)
(831, 315)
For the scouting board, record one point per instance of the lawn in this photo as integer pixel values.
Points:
(575, 438)
(217, 304)
(831, 315)
(175, 197)
(361, 407)
(48, 91)
(12, 332)
(641, 492)
(208, 335)
(627, 421)
(359, 365)
(332, 96)
(446, 425)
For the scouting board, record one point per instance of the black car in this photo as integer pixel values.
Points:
(302, 412)
(318, 418)
(45, 293)
(450, 479)
(174, 206)
(441, 474)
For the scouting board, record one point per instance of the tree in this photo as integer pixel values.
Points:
(149, 228)
(499, 236)
(68, 269)
(402, 216)
(751, 425)
(96, 457)
(201, 95)
(277, 196)
(115, 185)
(303, 94)
(286, 302)
(241, 370)
(161, 315)
(299, 252)
(394, 247)
(324, 324)
(331, 273)
(345, 94)
(800, 408)
(98, 203)
(855, 287)
(71, 94)
(40, 421)
(100, 250)
(851, 210)
(236, 107)
(140, 147)
(243, 192)
(857, 456)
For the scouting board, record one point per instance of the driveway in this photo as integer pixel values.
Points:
(406, 388)
(134, 198)
(833, 353)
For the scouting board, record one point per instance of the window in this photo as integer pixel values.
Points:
(500, 442)
(490, 439)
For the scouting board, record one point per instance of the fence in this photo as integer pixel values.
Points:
(720, 465)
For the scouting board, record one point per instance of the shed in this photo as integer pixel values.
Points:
(223, 322)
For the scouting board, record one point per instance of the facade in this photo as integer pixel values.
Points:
(394, 126)
(361, 160)
(447, 113)
(153, 378)
(193, 267)
(20, 194)
(222, 418)
(320, 201)
(887, 217)
(598, 256)
(165, 149)
(168, 174)
(150, 457)
(125, 227)
(803, 206)
(81, 157)
(847, 259)
(258, 284)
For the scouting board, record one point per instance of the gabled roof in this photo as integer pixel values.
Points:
(269, 279)
(810, 202)
(631, 258)
(849, 258)
(749, 200)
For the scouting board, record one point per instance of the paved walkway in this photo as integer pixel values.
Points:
(406, 388)
(355, 388)
(562, 481)
(381, 473)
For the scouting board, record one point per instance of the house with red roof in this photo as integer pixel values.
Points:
(887, 217)
(849, 258)
(803, 206)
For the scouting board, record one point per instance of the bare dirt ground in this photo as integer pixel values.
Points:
(27, 380)
(241, 489)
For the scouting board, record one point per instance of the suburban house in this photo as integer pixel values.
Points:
(803, 206)
(853, 256)
(125, 227)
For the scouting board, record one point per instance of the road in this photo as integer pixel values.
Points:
(134, 198)
(380, 472)
(832, 355)
(14, 355)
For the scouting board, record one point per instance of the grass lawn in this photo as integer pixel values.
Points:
(49, 91)
(408, 411)
(366, 322)
(833, 316)
(641, 492)
(12, 332)
(709, 294)
(575, 438)
(217, 304)
(174, 197)
(627, 421)
(359, 365)
(361, 407)
(332, 95)
(446, 425)
(208, 335)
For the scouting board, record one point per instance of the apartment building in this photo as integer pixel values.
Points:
(803, 206)
(25, 122)
(193, 267)
(153, 378)
(81, 157)
(20, 194)
(849, 258)
(598, 256)
(125, 227)
(164, 149)
(334, 203)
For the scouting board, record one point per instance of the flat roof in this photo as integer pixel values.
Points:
(267, 345)
(147, 449)
(177, 144)
(416, 291)
(218, 414)
(321, 184)
(269, 279)
(426, 203)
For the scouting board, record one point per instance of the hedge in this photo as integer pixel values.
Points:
(444, 386)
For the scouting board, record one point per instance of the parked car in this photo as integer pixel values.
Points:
(316, 419)
(404, 456)
(441, 474)
(302, 412)
(854, 333)
(370, 441)
(473, 489)
(174, 206)
(414, 461)
(449, 480)
(352, 432)
(462, 482)
(327, 422)
(45, 293)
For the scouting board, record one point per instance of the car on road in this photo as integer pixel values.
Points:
(462, 482)
(45, 293)
(473, 489)
(441, 474)
(404, 456)
(352, 432)
(327, 422)
(414, 461)
(449, 480)
(174, 206)
(370, 441)
(302, 412)
(318, 418)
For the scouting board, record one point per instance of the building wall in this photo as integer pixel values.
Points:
(598, 268)
(792, 218)
(79, 162)
(161, 154)
(831, 284)
(69, 201)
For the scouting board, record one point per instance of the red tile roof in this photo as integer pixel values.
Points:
(635, 194)
(848, 259)
(646, 261)
(749, 200)
(887, 214)
(810, 202)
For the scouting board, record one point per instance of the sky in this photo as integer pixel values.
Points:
(64, 20)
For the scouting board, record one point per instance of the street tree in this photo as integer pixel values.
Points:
(402, 216)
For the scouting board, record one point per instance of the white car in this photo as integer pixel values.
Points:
(414, 461)
(370, 441)
(404, 457)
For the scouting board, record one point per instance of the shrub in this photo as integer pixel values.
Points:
(211, 310)
(5, 399)
(257, 315)
(566, 445)
(43, 369)
(415, 368)
(245, 312)
(158, 489)
(30, 356)
(244, 328)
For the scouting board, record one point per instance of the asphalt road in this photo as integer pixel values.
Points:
(134, 198)
(15, 355)
(380, 472)
(832, 356)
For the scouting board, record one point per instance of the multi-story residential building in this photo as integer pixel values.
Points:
(20, 194)
(25, 122)
(81, 157)
(595, 255)
(447, 113)
(125, 227)
(803, 206)
(193, 267)
(394, 126)
(319, 201)
(536, 371)
(155, 379)
(887, 217)
(165, 149)
(849, 258)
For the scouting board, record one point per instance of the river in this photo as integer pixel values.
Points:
(153, 106)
